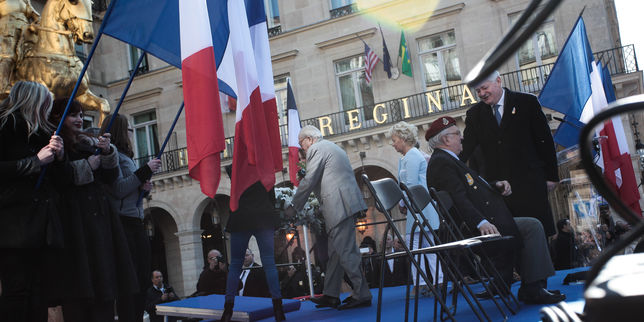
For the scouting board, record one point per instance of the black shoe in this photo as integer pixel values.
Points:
(228, 312)
(278, 310)
(326, 301)
(485, 295)
(348, 299)
(539, 296)
(353, 303)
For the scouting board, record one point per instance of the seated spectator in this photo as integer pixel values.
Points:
(481, 206)
(158, 293)
(212, 279)
(564, 246)
(370, 264)
(253, 280)
(395, 268)
(295, 283)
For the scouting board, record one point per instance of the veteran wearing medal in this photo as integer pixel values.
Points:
(480, 205)
(516, 145)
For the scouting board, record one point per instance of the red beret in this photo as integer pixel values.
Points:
(438, 125)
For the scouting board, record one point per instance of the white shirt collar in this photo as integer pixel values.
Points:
(451, 153)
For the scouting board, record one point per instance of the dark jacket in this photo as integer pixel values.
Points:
(211, 282)
(474, 199)
(256, 284)
(29, 217)
(520, 150)
(256, 210)
(564, 250)
(399, 275)
(97, 263)
(153, 297)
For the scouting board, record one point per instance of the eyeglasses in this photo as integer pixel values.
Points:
(212, 258)
(302, 140)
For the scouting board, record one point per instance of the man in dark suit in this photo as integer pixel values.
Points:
(395, 268)
(253, 278)
(481, 206)
(158, 293)
(516, 145)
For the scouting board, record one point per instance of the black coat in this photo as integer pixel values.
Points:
(153, 297)
(256, 284)
(520, 150)
(256, 210)
(474, 199)
(29, 217)
(399, 275)
(211, 282)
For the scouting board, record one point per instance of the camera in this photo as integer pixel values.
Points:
(168, 290)
(220, 259)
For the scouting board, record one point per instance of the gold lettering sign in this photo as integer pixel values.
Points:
(325, 123)
(227, 141)
(377, 117)
(353, 119)
(406, 107)
(467, 95)
(433, 99)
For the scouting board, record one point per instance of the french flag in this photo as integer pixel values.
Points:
(579, 88)
(204, 126)
(221, 47)
(294, 128)
(246, 74)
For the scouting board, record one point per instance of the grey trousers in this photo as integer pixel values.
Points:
(534, 263)
(344, 257)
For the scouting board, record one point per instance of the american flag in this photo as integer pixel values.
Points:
(372, 60)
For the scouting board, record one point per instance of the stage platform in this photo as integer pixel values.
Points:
(394, 305)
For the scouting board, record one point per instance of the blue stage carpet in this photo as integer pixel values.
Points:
(394, 305)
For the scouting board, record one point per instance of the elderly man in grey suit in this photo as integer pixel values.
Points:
(330, 177)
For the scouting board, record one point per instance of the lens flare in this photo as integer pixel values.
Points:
(408, 14)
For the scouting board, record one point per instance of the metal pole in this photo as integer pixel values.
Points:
(308, 259)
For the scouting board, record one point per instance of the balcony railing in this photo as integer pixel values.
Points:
(343, 11)
(619, 60)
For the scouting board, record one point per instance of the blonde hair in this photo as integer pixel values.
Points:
(405, 131)
(33, 101)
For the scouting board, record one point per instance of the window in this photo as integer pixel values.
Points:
(335, 4)
(272, 13)
(280, 97)
(88, 121)
(134, 54)
(439, 60)
(145, 135)
(352, 85)
(539, 49)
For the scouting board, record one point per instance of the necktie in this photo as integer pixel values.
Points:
(497, 114)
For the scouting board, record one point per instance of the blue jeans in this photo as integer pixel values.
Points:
(238, 246)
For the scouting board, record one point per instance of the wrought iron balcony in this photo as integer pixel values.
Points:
(619, 60)
(274, 31)
(343, 11)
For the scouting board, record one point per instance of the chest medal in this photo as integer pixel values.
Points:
(470, 180)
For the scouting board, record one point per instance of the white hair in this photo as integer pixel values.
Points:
(490, 78)
(310, 131)
(437, 139)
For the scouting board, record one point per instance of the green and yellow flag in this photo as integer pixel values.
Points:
(403, 53)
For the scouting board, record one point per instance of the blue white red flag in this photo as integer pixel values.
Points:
(219, 46)
(294, 128)
(579, 88)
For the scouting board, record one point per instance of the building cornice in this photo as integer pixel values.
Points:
(346, 38)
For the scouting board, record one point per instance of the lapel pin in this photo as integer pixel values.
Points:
(514, 110)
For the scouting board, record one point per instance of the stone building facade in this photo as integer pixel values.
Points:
(318, 46)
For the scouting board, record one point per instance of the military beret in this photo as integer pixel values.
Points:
(438, 125)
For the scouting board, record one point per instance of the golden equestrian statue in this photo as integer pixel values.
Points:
(45, 49)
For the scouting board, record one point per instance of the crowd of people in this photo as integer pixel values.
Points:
(72, 230)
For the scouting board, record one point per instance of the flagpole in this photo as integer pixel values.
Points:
(165, 142)
(110, 8)
(308, 259)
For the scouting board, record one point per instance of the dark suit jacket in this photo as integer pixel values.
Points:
(399, 274)
(256, 284)
(520, 150)
(153, 297)
(473, 198)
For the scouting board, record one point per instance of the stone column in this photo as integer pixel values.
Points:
(191, 260)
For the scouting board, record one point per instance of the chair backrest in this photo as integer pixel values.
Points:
(384, 190)
(418, 195)
(445, 200)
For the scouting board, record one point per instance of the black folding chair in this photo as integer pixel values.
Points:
(478, 262)
(387, 194)
(418, 198)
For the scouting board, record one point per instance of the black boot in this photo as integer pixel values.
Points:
(228, 312)
(278, 310)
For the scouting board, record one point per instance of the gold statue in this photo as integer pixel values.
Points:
(15, 16)
(49, 55)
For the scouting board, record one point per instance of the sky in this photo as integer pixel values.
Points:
(631, 26)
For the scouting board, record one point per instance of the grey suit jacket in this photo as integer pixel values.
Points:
(330, 177)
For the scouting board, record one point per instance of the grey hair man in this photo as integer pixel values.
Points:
(330, 176)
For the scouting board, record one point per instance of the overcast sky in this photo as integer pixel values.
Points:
(631, 26)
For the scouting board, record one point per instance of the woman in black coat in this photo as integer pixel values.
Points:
(96, 263)
(28, 220)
